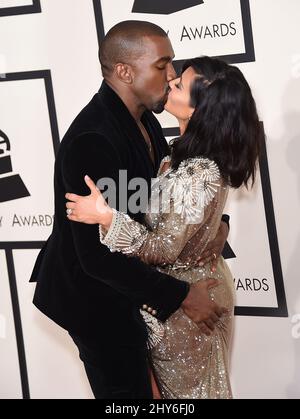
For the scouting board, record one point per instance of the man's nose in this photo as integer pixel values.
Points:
(171, 83)
(171, 75)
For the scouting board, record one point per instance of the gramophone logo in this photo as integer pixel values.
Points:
(11, 186)
(165, 7)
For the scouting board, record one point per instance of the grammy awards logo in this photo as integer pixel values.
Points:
(165, 7)
(11, 186)
(195, 27)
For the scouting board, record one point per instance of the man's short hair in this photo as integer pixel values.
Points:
(124, 43)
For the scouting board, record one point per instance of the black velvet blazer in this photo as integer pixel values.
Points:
(81, 285)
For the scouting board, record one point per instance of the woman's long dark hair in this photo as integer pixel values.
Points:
(224, 126)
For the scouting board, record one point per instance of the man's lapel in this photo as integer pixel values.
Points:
(131, 131)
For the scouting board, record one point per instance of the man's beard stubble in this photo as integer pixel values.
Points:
(159, 107)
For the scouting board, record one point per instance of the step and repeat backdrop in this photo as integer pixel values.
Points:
(48, 72)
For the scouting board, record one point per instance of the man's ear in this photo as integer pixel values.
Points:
(124, 73)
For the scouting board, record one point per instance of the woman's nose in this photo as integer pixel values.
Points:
(172, 83)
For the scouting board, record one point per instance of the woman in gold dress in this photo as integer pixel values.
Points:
(218, 148)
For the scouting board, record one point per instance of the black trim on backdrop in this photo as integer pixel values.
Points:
(35, 7)
(281, 310)
(272, 234)
(21, 245)
(247, 56)
(46, 75)
(18, 322)
(10, 246)
(99, 20)
(165, 7)
(171, 132)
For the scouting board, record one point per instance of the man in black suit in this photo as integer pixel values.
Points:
(92, 293)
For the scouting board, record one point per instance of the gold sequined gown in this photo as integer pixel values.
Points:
(183, 215)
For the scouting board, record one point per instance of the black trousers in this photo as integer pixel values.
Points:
(115, 371)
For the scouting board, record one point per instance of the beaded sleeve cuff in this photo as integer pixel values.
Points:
(124, 235)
